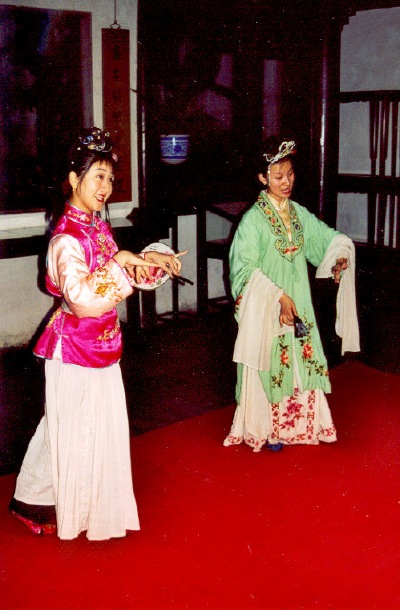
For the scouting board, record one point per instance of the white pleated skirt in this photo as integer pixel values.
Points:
(79, 457)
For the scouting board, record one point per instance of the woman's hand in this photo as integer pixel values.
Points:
(288, 310)
(169, 263)
(134, 264)
(341, 265)
(139, 268)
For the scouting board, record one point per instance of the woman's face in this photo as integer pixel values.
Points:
(94, 190)
(280, 179)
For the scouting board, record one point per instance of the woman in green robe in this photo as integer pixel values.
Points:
(282, 375)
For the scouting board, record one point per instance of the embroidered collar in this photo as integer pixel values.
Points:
(268, 204)
(79, 215)
(287, 249)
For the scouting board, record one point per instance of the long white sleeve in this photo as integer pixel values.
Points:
(258, 322)
(346, 308)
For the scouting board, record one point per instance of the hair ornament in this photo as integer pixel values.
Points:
(97, 139)
(286, 148)
(92, 139)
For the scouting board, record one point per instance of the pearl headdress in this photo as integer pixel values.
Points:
(286, 148)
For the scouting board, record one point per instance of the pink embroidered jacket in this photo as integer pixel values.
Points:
(81, 270)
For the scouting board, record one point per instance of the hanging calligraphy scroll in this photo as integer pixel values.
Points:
(116, 106)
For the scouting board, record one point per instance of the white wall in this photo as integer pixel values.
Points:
(187, 294)
(22, 305)
(370, 52)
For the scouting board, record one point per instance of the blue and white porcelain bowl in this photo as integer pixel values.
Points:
(174, 148)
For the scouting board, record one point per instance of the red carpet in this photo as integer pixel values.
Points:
(310, 527)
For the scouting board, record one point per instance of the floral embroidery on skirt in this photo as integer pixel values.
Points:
(303, 418)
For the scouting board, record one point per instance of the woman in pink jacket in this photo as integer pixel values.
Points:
(76, 475)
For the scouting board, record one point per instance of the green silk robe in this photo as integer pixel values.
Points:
(261, 241)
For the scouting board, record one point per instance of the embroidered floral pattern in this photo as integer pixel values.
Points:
(292, 413)
(240, 297)
(79, 215)
(275, 421)
(103, 246)
(310, 415)
(294, 421)
(237, 303)
(105, 285)
(255, 443)
(307, 353)
(287, 249)
(327, 433)
(110, 334)
(284, 363)
(106, 249)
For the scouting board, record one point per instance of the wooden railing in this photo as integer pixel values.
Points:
(381, 186)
